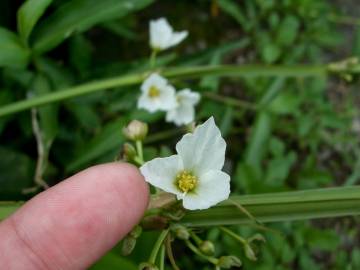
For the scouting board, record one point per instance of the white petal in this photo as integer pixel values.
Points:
(145, 103)
(160, 34)
(153, 80)
(167, 98)
(161, 173)
(213, 187)
(203, 150)
(177, 37)
(181, 115)
(187, 96)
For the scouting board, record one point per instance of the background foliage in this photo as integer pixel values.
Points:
(282, 134)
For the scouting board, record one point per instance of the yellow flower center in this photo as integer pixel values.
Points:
(154, 92)
(186, 181)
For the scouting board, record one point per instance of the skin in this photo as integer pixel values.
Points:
(72, 224)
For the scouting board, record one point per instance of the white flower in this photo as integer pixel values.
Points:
(194, 174)
(157, 94)
(184, 112)
(162, 35)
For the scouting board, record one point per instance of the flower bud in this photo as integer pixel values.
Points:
(136, 130)
(249, 252)
(256, 237)
(207, 248)
(181, 232)
(128, 245)
(128, 152)
(136, 232)
(229, 261)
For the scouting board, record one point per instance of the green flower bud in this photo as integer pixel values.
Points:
(129, 152)
(136, 231)
(128, 245)
(256, 237)
(229, 261)
(136, 130)
(249, 252)
(181, 232)
(207, 248)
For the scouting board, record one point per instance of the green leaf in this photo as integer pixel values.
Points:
(28, 15)
(270, 53)
(231, 8)
(15, 173)
(12, 52)
(356, 47)
(288, 30)
(322, 239)
(78, 16)
(109, 139)
(259, 136)
(285, 103)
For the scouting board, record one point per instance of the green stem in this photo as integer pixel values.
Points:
(230, 101)
(170, 254)
(233, 235)
(196, 238)
(171, 73)
(157, 246)
(282, 206)
(153, 58)
(139, 149)
(162, 258)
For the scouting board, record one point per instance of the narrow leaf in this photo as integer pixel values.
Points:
(12, 53)
(28, 15)
(80, 15)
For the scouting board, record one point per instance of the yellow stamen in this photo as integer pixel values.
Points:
(186, 181)
(153, 92)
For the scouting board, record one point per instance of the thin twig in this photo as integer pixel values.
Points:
(42, 155)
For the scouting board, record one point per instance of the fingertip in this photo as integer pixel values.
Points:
(124, 177)
(75, 222)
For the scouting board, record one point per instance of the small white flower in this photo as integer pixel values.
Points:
(184, 112)
(162, 35)
(194, 174)
(157, 94)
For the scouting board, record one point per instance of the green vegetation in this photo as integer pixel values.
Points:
(279, 76)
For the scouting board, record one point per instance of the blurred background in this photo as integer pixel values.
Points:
(283, 133)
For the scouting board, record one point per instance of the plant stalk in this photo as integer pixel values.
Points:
(171, 73)
(270, 207)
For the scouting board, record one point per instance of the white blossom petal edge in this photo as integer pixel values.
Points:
(194, 174)
(157, 94)
(162, 35)
(184, 112)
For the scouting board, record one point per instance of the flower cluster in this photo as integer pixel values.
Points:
(156, 92)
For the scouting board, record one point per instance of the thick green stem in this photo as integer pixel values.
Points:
(270, 207)
(139, 150)
(284, 206)
(172, 73)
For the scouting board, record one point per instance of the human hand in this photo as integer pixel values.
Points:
(74, 223)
